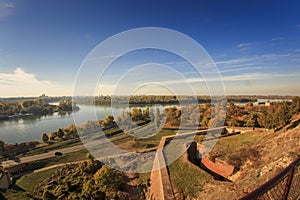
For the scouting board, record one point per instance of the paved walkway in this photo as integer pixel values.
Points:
(42, 156)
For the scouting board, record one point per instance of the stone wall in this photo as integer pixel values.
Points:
(243, 129)
(161, 188)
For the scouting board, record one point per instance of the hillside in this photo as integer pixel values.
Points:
(276, 150)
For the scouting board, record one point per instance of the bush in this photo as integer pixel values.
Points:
(237, 160)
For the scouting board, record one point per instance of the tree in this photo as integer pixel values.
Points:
(278, 114)
(60, 133)
(45, 137)
(108, 179)
(296, 105)
(48, 195)
(251, 120)
(136, 113)
(108, 121)
(52, 135)
(2, 149)
(205, 121)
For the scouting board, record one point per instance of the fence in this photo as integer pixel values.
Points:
(284, 186)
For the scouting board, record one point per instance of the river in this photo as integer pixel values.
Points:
(28, 129)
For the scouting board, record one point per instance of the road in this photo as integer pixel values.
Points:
(42, 156)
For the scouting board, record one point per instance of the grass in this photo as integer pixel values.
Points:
(132, 143)
(229, 146)
(144, 177)
(187, 179)
(12, 194)
(51, 147)
(66, 158)
(29, 181)
(26, 184)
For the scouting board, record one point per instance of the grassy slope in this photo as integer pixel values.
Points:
(187, 179)
(228, 146)
(190, 180)
(29, 181)
(26, 184)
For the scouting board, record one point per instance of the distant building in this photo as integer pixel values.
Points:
(262, 102)
(259, 103)
(43, 96)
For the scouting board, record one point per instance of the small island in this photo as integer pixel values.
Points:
(34, 107)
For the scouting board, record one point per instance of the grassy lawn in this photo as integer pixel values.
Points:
(186, 179)
(132, 143)
(228, 146)
(154, 140)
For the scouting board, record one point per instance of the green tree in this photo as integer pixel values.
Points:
(108, 179)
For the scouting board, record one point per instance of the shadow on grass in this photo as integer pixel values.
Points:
(17, 188)
(2, 197)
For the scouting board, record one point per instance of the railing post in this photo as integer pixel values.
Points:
(289, 183)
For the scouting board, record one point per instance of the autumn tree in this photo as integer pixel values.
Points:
(60, 133)
(108, 121)
(52, 135)
(108, 179)
(45, 137)
(296, 105)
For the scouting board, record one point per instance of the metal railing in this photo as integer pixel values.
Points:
(284, 186)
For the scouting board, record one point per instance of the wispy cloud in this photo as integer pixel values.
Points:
(6, 5)
(239, 69)
(245, 45)
(234, 61)
(257, 60)
(6, 9)
(298, 26)
(240, 77)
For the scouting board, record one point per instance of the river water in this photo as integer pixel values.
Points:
(28, 129)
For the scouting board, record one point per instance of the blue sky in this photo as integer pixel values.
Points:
(255, 44)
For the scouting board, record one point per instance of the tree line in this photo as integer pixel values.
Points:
(204, 116)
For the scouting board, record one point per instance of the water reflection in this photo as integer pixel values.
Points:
(30, 128)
